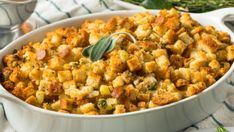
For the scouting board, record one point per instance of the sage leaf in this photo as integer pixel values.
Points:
(87, 51)
(100, 48)
(104, 45)
(111, 46)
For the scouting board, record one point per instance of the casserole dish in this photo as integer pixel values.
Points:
(172, 117)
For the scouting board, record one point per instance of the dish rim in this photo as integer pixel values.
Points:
(20, 102)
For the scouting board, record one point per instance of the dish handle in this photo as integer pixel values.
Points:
(3, 118)
(221, 15)
(4, 95)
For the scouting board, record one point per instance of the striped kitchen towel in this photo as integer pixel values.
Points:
(49, 11)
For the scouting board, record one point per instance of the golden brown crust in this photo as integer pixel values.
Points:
(174, 57)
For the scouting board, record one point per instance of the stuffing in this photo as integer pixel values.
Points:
(172, 57)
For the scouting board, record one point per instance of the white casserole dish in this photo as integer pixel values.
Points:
(173, 117)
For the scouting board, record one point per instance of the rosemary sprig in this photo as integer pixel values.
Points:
(196, 6)
(104, 45)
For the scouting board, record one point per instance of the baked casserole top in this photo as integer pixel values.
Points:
(173, 57)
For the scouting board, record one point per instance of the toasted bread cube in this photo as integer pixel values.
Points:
(76, 54)
(119, 109)
(87, 89)
(143, 31)
(54, 88)
(105, 90)
(87, 108)
(31, 100)
(49, 74)
(186, 38)
(69, 84)
(185, 73)
(116, 64)
(178, 47)
(196, 64)
(118, 82)
(79, 75)
(166, 98)
(169, 36)
(197, 77)
(56, 39)
(73, 92)
(98, 67)
(109, 75)
(35, 74)
(224, 37)
(40, 95)
(214, 64)
(159, 52)
(195, 88)
(65, 104)
(123, 55)
(187, 21)
(55, 63)
(152, 104)
(163, 61)
(230, 52)
(93, 80)
(150, 66)
(28, 91)
(208, 44)
(65, 75)
(134, 64)
(63, 50)
(43, 85)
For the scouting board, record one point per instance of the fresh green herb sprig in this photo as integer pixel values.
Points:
(104, 45)
(152, 4)
(221, 129)
(196, 6)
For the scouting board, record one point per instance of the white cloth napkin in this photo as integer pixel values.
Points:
(49, 11)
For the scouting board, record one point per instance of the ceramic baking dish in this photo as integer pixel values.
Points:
(172, 117)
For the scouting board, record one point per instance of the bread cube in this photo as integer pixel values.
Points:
(186, 38)
(118, 82)
(134, 64)
(79, 75)
(195, 88)
(150, 66)
(163, 61)
(93, 80)
(185, 73)
(178, 47)
(143, 31)
(159, 52)
(69, 84)
(214, 64)
(105, 90)
(65, 75)
(119, 109)
(87, 108)
(169, 37)
(230, 52)
(35, 74)
(55, 63)
(208, 44)
(49, 74)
